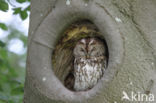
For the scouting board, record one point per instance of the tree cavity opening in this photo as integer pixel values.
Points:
(62, 56)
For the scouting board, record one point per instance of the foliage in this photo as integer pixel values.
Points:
(23, 12)
(11, 71)
(12, 66)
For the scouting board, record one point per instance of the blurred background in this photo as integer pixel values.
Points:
(14, 22)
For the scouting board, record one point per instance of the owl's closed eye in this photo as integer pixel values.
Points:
(89, 47)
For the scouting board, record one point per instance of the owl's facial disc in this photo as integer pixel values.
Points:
(79, 50)
(88, 48)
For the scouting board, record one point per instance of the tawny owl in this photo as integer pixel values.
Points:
(89, 64)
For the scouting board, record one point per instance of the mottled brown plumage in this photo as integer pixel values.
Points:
(89, 64)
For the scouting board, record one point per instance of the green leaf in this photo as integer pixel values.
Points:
(28, 8)
(23, 14)
(18, 90)
(3, 53)
(21, 1)
(17, 10)
(3, 26)
(2, 44)
(3, 6)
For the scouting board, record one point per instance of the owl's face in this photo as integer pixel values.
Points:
(89, 48)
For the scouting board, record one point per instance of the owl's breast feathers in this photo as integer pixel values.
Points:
(91, 61)
(87, 72)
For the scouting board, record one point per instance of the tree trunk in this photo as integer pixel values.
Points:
(128, 27)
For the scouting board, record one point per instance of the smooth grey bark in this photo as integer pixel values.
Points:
(129, 27)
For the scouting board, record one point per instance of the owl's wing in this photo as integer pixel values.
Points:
(104, 65)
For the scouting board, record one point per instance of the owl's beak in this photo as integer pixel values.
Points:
(87, 56)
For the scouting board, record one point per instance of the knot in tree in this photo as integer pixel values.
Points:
(80, 57)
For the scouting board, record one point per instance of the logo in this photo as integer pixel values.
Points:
(137, 97)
